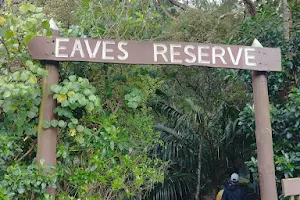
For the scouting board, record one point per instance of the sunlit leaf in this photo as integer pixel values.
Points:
(61, 97)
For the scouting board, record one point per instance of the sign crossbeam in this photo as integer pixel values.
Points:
(146, 52)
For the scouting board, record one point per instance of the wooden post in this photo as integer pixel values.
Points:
(263, 134)
(47, 138)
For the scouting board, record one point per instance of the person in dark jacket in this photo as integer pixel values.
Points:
(232, 190)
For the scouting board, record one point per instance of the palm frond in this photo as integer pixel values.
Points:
(178, 146)
(177, 186)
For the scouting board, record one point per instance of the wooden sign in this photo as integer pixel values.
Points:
(146, 52)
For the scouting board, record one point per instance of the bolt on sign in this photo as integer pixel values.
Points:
(146, 52)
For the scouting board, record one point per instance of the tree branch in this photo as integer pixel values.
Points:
(168, 14)
(6, 48)
(178, 4)
(251, 7)
(28, 152)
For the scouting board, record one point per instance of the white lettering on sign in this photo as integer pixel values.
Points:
(173, 53)
(187, 52)
(178, 53)
(89, 50)
(247, 57)
(161, 52)
(236, 60)
(77, 47)
(106, 50)
(120, 47)
(201, 54)
(218, 55)
(58, 47)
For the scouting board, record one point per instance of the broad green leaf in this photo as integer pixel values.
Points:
(24, 76)
(64, 90)
(16, 91)
(32, 79)
(21, 190)
(16, 75)
(43, 186)
(54, 123)
(80, 128)
(65, 103)
(28, 38)
(6, 94)
(72, 132)
(27, 7)
(103, 153)
(61, 123)
(49, 33)
(74, 121)
(2, 20)
(87, 92)
(71, 125)
(70, 93)
(39, 15)
(35, 109)
(9, 34)
(61, 97)
(45, 24)
(92, 98)
(80, 139)
(42, 72)
(31, 114)
(13, 108)
(55, 88)
(29, 63)
(72, 78)
(90, 106)
(112, 145)
(46, 124)
(33, 21)
(82, 101)
(39, 9)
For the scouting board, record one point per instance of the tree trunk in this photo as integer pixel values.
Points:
(197, 196)
(214, 180)
(286, 19)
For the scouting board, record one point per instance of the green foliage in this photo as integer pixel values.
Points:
(187, 125)
(104, 162)
(61, 10)
(119, 20)
(134, 98)
(285, 125)
(15, 87)
(17, 31)
(19, 105)
(283, 88)
(76, 97)
(25, 182)
(267, 27)
(102, 153)
(218, 22)
(16, 115)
